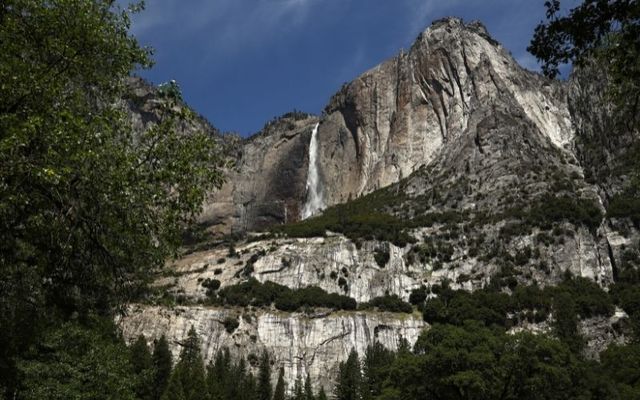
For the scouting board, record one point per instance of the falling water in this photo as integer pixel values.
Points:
(314, 203)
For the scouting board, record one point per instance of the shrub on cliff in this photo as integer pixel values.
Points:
(283, 298)
(391, 303)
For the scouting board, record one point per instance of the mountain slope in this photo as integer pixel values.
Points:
(400, 115)
(447, 166)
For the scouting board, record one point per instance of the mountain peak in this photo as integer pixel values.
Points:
(456, 22)
(454, 25)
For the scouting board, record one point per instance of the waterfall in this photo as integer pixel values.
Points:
(314, 202)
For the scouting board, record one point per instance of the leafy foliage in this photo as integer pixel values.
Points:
(549, 210)
(626, 291)
(75, 362)
(88, 206)
(391, 303)
(230, 324)
(472, 361)
(363, 218)
(382, 257)
(607, 31)
(626, 205)
(574, 298)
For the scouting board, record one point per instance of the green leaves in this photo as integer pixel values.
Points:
(349, 379)
(475, 362)
(607, 32)
(88, 205)
(74, 362)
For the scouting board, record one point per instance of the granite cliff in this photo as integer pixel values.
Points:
(493, 172)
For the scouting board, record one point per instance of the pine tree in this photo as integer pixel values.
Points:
(279, 392)
(214, 382)
(190, 368)
(162, 362)
(308, 390)
(142, 364)
(140, 355)
(298, 393)
(349, 382)
(565, 323)
(218, 372)
(321, 394)
(375, 370)
(264, 378)
(250, 388)
(174, 390)
(234, 388)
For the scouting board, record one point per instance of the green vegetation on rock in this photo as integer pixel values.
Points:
(254, 293)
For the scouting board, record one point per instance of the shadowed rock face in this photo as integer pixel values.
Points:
(267, 184)
(266, 180)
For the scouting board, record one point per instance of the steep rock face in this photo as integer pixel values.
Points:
(266, 186)
(604, 144)
(302, 344)
(143, 102)
(338, 265)
(398, 116)
(334, 263)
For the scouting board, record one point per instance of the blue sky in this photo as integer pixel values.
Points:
(242, 62)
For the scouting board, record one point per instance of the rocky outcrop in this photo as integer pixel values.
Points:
(303, 344)
(337, 265)
(603, 140)
(400, 115)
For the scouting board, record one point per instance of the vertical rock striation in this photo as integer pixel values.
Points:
(399, 116)
(302, 344)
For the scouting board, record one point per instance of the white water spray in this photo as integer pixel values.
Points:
(314, 202)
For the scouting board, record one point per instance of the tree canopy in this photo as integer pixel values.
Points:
(88, 204)
(607, 31)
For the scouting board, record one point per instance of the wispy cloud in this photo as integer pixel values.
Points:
(528, 61)
(228, 24)
(423, 12)
(352, 66)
